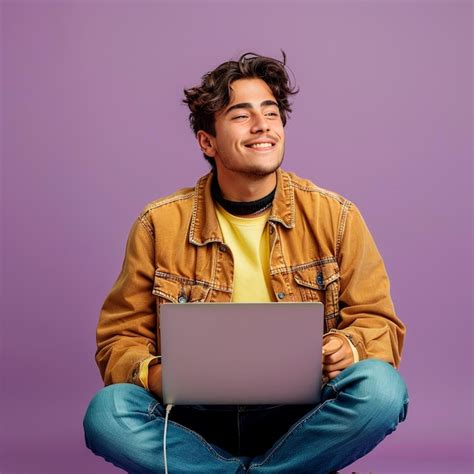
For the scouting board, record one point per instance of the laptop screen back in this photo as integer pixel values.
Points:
(241, 353)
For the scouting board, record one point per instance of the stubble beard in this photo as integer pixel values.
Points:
(256, 172)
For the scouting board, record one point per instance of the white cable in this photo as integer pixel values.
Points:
(168, 409)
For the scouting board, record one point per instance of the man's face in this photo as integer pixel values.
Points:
(250, 138)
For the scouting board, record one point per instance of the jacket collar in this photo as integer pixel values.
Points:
(205, 228)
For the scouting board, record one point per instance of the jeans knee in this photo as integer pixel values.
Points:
(93, 418)
(386, 390)
(100, 419)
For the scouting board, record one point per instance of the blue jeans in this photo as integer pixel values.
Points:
(124, 424)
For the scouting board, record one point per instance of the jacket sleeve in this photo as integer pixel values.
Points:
(126, 332)
(366, 309)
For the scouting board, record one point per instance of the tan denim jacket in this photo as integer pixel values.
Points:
(321, 250)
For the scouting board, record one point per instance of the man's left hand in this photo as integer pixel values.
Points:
(337, 355)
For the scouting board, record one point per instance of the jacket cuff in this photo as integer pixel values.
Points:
(143, 370)
(355, 354)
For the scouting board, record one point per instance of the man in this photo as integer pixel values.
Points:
(248, 231)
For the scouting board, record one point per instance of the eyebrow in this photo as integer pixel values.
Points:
(248, 105)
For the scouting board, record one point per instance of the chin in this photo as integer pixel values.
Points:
(262, 171)
(265, 169)
(253, 168)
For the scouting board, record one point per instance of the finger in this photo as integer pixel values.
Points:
(346, 362)
(335, 357)
(332, 345)
(334, 374)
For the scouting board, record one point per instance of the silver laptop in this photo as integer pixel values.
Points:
(241, 353)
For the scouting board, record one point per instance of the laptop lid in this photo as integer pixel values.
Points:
(241, 353)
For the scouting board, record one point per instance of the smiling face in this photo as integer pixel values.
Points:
(250, 138)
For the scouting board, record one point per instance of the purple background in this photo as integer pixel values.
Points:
(93, 129)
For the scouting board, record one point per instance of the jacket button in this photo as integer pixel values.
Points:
(222, 248)
(182, 299)
(281, 295)
(320, 279)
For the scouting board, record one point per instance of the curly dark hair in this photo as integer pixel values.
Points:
(213, 94)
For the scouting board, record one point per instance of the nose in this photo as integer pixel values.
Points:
(260, 124)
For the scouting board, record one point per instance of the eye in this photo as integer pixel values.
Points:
(239, 117)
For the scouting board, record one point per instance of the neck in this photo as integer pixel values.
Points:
(246, 188)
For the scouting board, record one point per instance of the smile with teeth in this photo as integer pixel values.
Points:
(261, 145)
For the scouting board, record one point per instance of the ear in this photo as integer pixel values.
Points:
(206, 143)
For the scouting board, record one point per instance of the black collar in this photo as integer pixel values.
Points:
(240, 208)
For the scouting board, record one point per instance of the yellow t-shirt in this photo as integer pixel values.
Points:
(249, 241)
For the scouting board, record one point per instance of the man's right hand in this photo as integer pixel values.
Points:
(154, 381)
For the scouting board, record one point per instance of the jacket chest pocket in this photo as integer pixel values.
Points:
(320, 282)
(169, 288)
